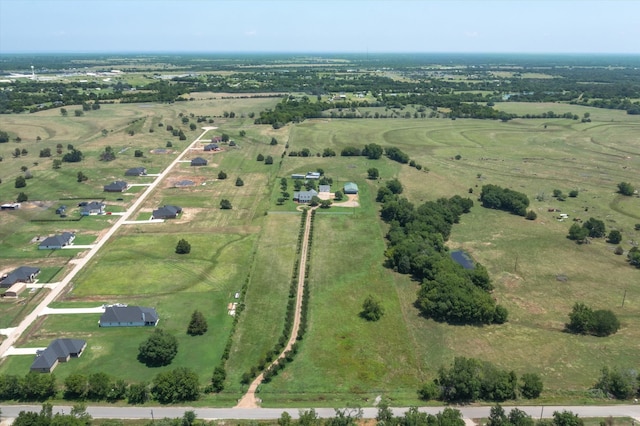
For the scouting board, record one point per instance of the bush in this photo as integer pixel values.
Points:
(372, 309)
(239, 182)
(22, 197)
(619, 250)
(583, 320)
(21, 182)
(625, 188)
(183, 247)
(429, 391)
(225, 204)
(531, 215)
(260, 157)
(222, 175)
(268, 160)
(614, 237)
(138, 153)
(531, 386)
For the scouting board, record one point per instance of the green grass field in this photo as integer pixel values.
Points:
(342, 359)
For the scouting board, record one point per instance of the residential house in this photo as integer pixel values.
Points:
(91, 208)
(23, 274)
(324, 188)
(117, 186)
(212, 147)
(304, 196)
(199, 161)
(129, 316)
(136, 171)
(350, 188)
(60, 350)
(57, 241)
(167, 212)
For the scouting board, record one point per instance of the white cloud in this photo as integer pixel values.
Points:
(250, 33)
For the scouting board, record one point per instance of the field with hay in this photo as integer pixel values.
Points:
(538, 273)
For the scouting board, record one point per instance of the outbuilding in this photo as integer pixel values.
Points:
(350, 188)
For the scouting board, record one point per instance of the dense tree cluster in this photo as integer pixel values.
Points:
(416, 246)
(469, 379)
(619, 383)
(30, 387)
(584, 320)
(496, 197)
(594, 228)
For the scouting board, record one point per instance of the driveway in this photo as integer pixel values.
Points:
(53, 311)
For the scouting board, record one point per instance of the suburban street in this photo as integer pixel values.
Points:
(110, 412)
(15, 333)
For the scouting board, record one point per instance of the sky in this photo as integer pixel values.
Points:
(321, 26)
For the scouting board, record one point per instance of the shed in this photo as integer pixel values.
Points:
(15, 290)
(297, 176)
(350, 188)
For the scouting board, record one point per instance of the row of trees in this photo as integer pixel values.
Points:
(469, 379)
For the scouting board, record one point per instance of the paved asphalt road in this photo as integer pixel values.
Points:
(110, 412)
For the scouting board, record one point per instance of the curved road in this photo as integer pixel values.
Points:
(15, 333)
(110, 412)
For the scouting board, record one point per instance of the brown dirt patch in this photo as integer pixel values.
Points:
(352, 201)
(171, 182)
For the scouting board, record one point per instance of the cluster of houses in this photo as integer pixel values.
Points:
(306, 196)
(62, 350)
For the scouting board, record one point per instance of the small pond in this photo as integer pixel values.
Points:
(463, 259)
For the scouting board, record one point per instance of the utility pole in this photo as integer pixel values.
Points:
(624, 297)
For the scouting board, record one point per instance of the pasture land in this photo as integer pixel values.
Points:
(538, 273)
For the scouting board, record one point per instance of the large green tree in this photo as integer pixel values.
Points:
(159, 349)
(198, 324)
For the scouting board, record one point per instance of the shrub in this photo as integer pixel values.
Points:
(22, 197)
(239, 182)
(225, 204)
(372, 309)
(260, 157)
(183, 247)
(531, 386)
(20, 182)
(222, 175)
(531, 215)
(614, 237)
(198, 324)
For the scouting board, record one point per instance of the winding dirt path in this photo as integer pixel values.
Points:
(249, 399)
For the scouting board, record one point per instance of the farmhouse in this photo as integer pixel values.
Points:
(91, 208)
(117, 186)
(60, 350)
(304, 196)
(136, 171)
(167, 212)
(199, 161)
(129, 316)
(23, 274)
(350, 188)
(57, 241)
(324, 188)
(212, 147)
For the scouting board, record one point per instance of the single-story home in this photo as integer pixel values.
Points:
(91, 208)
(167, 212)
(60, 350)
(136, 171)
(23, 274)
(304, 196)
(57, 241)
(324, 188)
(212, 147)
(129, 316)
(350, 188)
(117, 186)
(199, 161)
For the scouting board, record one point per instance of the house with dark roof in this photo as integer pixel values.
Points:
(136, 171)
(23, 274)
(60, 350)
(212, 147)
(304, 196)
(57, 241)
(91, 208)
(129, 316)
(350, 188)
(199, 161)
(167, 212)
(117, 186)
